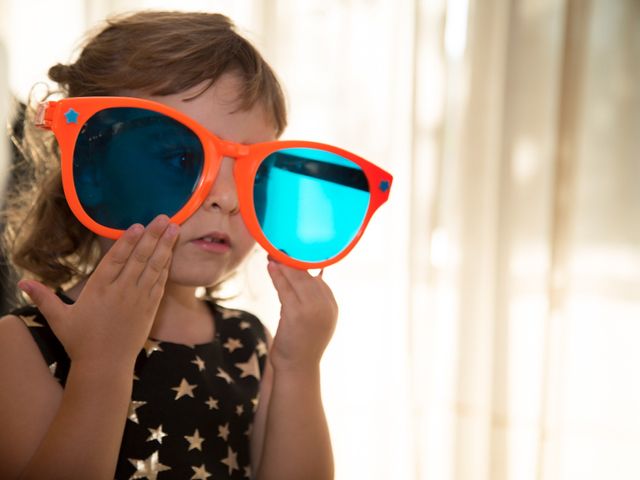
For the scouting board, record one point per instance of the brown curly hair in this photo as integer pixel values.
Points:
(154, 52)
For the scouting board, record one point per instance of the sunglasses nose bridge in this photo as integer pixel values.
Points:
(232, 149)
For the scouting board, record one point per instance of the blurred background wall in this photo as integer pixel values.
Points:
(489, 321)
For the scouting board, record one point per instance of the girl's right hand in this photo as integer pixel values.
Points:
(115, 310)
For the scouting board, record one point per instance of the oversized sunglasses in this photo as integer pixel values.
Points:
(126, 160)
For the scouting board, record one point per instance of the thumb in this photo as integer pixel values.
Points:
(44, 298)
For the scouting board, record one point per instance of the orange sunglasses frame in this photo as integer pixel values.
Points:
(67, 116)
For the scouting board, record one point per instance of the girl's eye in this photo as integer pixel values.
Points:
(181, 160)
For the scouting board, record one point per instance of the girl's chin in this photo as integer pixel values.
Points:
(207, 280)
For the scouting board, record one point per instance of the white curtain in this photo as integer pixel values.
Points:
(489, 316)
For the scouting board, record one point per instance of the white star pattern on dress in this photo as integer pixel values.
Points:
(184, 389)
(223, 431)
(199, 362)
(232, 344)
(133, 406)
(212, 403)
(231, 460)
(261, 348)
(228, 313)
(151, 346)
(30, 321)
(224, 375)
(250, 368)
(195, 440)
(236, 353)
(148, 468)
(156, 434)
(200, 473)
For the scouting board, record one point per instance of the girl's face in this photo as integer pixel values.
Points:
(214, 240)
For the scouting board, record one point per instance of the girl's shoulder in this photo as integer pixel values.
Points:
(41, 333)
(29, 395)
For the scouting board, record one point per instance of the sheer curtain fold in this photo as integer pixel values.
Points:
(557, 234)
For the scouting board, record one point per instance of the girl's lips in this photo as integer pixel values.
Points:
(215, 242)
(211, 246)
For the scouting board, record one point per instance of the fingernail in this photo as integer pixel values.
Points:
(172, 230)
(161, 220)
(25, 286)
(136, 228)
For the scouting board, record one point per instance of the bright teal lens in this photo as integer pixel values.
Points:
(310, 203)
(132, 164)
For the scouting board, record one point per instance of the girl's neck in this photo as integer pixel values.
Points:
(182, 317)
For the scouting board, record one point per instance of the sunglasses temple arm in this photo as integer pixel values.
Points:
(45, 114)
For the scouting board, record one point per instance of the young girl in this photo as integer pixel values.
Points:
(124, 371)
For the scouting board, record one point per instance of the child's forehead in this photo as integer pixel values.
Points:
(225, 91)
(219, 108)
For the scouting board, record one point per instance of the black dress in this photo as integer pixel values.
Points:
(192, 407)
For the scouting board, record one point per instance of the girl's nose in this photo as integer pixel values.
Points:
(223, 194)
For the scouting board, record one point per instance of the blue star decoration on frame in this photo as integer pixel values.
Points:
(384, 185)
(71, 115)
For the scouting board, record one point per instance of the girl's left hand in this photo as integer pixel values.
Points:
(307, 318)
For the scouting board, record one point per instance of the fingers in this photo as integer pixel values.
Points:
(297, 285)
(308, 317)
(286, 291)
(144, 249)
(158, 264)
(116, 258)
(45, 299)
(157, 289)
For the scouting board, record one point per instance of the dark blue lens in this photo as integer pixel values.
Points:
(132, 164)
(310, 203)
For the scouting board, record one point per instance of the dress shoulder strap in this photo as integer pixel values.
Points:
(52, 350)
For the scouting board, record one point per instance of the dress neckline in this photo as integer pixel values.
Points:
(215, 317)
